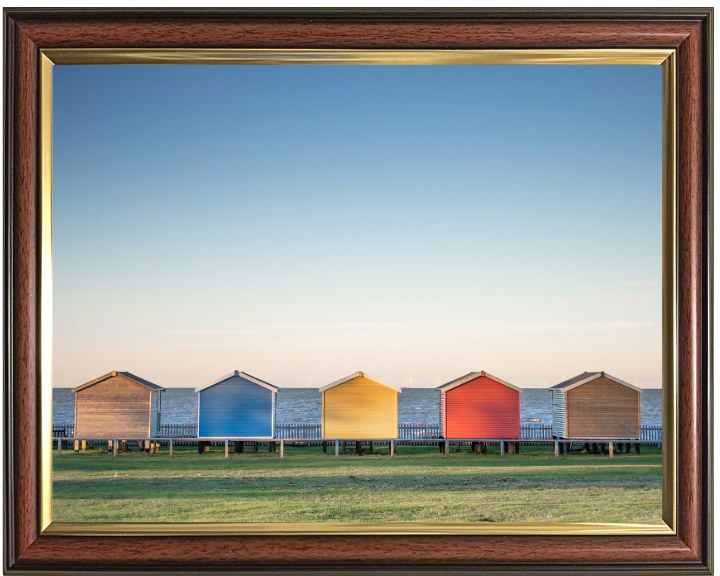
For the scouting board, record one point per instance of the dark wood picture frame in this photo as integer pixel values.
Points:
(689, 31)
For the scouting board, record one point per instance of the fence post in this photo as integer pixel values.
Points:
(59, 447)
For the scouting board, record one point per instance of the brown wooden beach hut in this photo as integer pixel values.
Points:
(117, 405)
(596, 405)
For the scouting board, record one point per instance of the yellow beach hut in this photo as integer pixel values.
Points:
(359, 406)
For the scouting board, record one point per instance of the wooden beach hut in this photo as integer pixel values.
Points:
(118, 405)
(359, 406)
(479, 405)
(596, 405)
(237, 405)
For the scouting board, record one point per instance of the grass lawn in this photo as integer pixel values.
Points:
(307, 486)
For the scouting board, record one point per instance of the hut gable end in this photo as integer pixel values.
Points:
(603, 408)
(360, 408)
(482, 407)
(112, 407)
(237, 407)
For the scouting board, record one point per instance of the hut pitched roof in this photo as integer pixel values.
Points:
(586, 377)
(241, 375)
(127, 375)
(359, 375)
(469, 377)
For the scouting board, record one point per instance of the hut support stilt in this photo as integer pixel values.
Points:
(114, 443)
(557, 449)
(59, 447)
(371, 445)
(610, 449)
(392, 448)
(271, 447)
(447, 448)
(511, 447)
(324, 447)
(483, 447)
(595, 448)
(282, 448)
(502, 448)
(637, 448)
(457, 446)
(586, 448)
(441, 447)
(227, 448)
(84, 445)
(358, 448)
(337, 448)
(475, 447)
(170, 446)
(627, 448)
(240, 447)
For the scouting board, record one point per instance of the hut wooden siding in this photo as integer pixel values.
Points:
(359, 407)
(481, 406)
(116, 405)
(237, 406)
(601, 408)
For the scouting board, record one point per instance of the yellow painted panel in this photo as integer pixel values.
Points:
(360, 408)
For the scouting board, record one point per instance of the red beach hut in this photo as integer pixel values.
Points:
(479, 405)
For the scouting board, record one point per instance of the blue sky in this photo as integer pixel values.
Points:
(297, 221)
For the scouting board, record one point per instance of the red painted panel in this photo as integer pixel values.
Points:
(482, 408)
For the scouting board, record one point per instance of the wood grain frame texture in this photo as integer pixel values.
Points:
(689, 31)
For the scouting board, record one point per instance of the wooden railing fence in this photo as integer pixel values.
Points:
(310, 431)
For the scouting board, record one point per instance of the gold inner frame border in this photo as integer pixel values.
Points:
(180, 56)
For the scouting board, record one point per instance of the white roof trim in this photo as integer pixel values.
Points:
(474, 376)
(596, 376)
(241, 375)
(359, 375)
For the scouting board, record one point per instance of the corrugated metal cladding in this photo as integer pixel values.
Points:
(482, 408)
(558, 406)
(236, 408)
(360, 408)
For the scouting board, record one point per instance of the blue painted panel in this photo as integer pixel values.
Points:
(236, 408)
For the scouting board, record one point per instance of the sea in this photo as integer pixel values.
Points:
(303, 405)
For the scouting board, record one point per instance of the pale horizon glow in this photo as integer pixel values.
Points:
(299, 222)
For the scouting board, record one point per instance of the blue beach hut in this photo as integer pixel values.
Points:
(237, 406)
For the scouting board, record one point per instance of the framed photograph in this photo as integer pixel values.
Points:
(299, 191)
